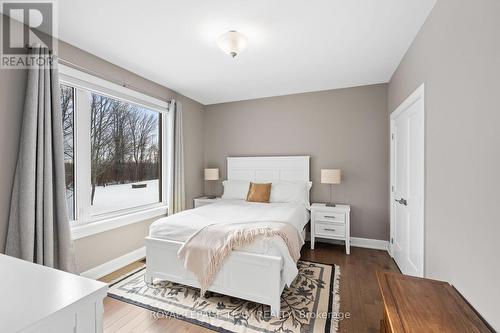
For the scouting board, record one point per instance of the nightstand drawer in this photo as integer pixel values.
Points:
(330, 217)
(199, 202)
(329, 229)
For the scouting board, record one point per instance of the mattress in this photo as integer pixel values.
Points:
(179, 227)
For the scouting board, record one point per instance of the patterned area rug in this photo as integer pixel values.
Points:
(310, 305)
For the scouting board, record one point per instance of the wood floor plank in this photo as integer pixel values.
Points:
(122, 313)
(122, 271)
(359, 294)
(141, 326)
(133, 324)
(124, 320)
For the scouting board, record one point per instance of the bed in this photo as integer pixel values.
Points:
(258, 272)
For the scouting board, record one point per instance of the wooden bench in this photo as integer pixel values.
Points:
(422, 305)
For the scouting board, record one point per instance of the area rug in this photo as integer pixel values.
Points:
(310, 305)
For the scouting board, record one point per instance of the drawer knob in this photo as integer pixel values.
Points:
(328, 229)
(329, 217)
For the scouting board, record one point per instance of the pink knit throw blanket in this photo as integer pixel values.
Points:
(205, 250)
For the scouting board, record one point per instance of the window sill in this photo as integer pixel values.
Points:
(82, 230)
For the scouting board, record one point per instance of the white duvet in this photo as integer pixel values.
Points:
(180, 226)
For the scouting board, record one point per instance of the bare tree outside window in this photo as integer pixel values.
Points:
(125, 165)
(67, 109)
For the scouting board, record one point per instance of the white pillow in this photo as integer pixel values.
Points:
(293, 192)
(235, 189)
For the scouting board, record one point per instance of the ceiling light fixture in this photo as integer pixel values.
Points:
(232, 42)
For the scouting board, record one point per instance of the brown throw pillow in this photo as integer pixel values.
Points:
(259, 192)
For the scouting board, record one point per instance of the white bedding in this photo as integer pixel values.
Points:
(180, 226)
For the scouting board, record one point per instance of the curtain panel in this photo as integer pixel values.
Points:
(176, 181)
(39, 228)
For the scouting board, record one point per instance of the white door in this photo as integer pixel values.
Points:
(407, 184)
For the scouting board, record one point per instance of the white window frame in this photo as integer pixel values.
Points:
(85, 224)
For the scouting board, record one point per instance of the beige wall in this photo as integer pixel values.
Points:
(94, 250)
(457, 56)
(102, 247)
(344, 128)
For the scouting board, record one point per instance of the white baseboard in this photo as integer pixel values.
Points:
(115, 264)
(367, 243)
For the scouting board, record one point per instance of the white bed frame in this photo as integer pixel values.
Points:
(245, 275)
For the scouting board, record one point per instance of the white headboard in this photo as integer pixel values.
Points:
(268, 168)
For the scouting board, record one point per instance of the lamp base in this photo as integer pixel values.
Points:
(330, 204)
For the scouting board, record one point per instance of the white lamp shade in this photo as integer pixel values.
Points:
(212, 174)
(330, 176)
(232, 42)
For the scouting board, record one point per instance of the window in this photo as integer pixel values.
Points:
(67, 100)
(113, 147)
(125, 165)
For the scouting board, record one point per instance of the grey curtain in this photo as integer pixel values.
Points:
(176, 183)
(38, 224)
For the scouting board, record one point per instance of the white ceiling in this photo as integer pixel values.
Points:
(293, 45)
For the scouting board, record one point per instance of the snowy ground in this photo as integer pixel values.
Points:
(116, 197)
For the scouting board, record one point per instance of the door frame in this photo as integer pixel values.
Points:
(417, 95)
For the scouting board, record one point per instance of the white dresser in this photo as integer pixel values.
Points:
(331, 223)
(36, 298)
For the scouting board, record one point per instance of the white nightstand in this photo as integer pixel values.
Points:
(202, 201)
(331, 223)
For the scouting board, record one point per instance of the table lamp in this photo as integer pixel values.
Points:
(211, 175)
(331, 177)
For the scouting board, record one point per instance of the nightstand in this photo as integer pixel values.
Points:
(202, 201)
(331, 223)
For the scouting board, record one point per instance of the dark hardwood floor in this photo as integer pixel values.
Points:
(359, 294)
(359, 291)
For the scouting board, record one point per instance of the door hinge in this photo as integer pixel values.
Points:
(392, 136)
(392, 240)
(392, 188)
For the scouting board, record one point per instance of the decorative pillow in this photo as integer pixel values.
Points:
(259, 192)
(292, 192)
(235, 189)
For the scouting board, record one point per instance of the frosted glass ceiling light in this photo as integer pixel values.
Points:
(232, 42)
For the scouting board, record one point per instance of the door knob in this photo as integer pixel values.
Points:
(402, 201)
